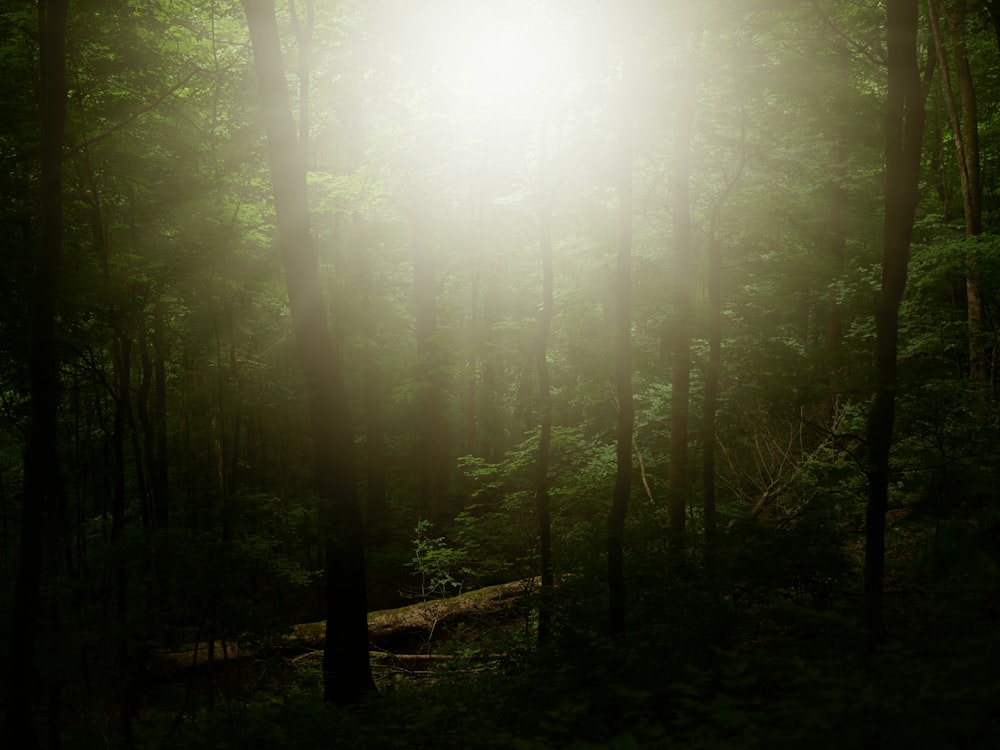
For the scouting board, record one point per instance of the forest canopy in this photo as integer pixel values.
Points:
(641, 357)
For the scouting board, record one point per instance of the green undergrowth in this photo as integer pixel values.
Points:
(718, 674)
(774, 696)
(758, 647)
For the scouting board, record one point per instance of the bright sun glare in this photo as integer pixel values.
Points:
(512, 62)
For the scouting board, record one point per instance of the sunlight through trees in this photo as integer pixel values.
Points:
(459, 373)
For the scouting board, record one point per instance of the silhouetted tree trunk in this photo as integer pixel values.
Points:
(346, 667)
(127, 706)
(42, 487)
(993, 6)
(904, 125)
(159, 463)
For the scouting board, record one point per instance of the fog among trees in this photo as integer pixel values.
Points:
(536, 374)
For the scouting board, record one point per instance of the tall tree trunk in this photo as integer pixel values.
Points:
(904, 125)
(713, 367)
(623, 363)
(346, 667)
(303, 37)
(678, 487)
(993, 8)
(161, 479)
(542, 500)
(838, 213)
(713, 374)
(41, 467)
(122, 422)
(375, 459)
(122, 323)
(159, 467)
(432, 450)
(472, 381)
(964, 121)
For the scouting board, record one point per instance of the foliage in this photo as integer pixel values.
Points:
(440, 567)
(188, 511)
(701, 668)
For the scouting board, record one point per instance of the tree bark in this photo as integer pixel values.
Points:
(346, 668)
(904, 124)
(42, 488)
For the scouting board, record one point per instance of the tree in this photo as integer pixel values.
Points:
(963, 118)
(713, 364)
(346, 667)
(542, 500)
(433, 463)
(838, 204)
(623, 357)
(680, 384)
(904, 127)
(42, 484)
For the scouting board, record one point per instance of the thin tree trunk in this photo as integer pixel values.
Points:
(838, 216)
(41, 467)
(964, 121)
(492, 447)
(346, 667)
(471, 386)
(432, 450)
(375, 458)
(713, 373)
(120, 571)
(904, 126)
(542, 500)
(144, 414)
(713, 367)
(161, 478)
(623, 364)
(678, 487)
(233, 475)
(159, 468)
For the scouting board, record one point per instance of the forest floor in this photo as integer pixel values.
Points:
(704, 668)
(399, 637)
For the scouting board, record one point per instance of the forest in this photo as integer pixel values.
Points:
(527, 374)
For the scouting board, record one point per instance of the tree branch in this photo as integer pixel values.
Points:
(128, 120)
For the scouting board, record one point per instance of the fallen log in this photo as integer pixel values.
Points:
(404, 632)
